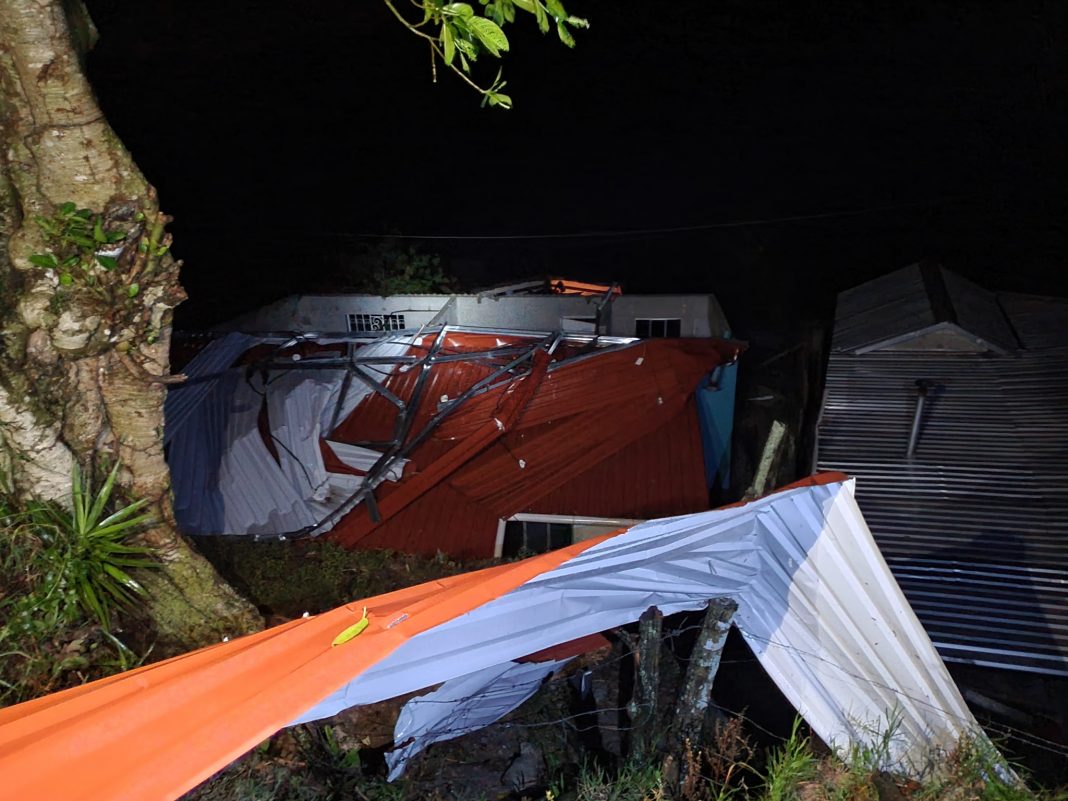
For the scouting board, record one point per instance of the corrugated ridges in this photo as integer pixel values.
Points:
(975, 526)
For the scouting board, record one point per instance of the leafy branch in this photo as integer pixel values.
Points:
(90, 250)
(458, 34)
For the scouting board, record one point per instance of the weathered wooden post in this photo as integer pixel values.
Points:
(696, 693)
(642, 706)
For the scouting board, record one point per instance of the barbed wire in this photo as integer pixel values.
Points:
(668, 638)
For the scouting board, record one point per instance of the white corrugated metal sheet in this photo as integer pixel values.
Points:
(225, 478)
(464, 705)
(817, 604)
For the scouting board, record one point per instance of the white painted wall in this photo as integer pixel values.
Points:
(700, 314)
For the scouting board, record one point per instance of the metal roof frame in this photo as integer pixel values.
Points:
(402, 443)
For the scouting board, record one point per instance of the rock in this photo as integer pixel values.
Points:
(526, 770)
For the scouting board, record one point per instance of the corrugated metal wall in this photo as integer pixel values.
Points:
(975, 525)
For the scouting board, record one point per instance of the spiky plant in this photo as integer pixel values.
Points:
(87, 550)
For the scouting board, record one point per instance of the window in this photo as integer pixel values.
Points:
(534, 537)
(376, 322)
(650, 327)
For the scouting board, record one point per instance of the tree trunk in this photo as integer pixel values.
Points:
(84, 353)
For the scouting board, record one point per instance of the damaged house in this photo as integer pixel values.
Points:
(476, 442)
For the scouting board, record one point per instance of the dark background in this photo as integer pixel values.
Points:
(279, 133)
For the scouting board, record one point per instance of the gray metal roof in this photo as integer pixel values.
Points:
(1039, 322)
(975, 525)
(920, 307)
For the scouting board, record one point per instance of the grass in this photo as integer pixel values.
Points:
(307, 762)
(287, 579)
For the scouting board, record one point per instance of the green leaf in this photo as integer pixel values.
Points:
(107, 262)
(133, 289)
(79, 503)
(556, 8)
(101, 498)
(123, 578)
(123, 513)
(541, 16)
(116, 236)
(124, 527)
(458, 10)
(92, 602)
(46, 225)
(98, 231)
(564, 34)
(45, 260)
(467, 48)
(489, 33)
(67, 209)
(448, 42)
(66, 279)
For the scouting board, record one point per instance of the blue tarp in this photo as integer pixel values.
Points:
(715, 410)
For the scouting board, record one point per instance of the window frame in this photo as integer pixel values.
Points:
(391, 321)
(570, 520)
(664, 327)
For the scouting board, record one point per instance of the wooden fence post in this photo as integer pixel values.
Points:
(642, 706)
(696, 693)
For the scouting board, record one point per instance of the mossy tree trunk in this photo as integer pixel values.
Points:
(84, 357)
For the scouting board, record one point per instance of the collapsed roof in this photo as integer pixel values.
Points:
(425, 441)
(816, 603)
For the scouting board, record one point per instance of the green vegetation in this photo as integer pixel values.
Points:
(457, 34)
(107, 254)
(63, 576)
(309, 762)
(288, 579)
(392, 268)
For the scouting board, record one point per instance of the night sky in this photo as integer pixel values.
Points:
(279, 133)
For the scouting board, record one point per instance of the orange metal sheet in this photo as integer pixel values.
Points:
(156, 732)
(613, 434)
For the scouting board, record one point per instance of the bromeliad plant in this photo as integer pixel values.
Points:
(73, 562)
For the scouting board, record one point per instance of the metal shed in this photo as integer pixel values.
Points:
(949, 404)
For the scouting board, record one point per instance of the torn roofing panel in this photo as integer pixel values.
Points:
(226, 477)
(202, 373)
(504, 418)
(578, 420)
(816, 602)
